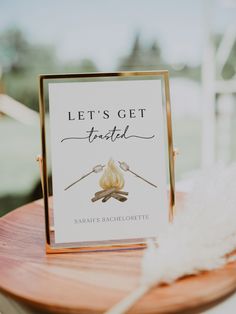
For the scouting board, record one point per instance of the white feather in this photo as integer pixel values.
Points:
(203, 233)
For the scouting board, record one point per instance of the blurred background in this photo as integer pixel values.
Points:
(194, 40)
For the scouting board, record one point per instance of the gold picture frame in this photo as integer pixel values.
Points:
(51, 247)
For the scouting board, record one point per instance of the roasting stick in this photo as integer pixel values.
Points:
(124, 166)
(96, 169)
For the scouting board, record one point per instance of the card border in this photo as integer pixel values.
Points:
(44, 175)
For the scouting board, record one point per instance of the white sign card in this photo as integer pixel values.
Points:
(108, 156)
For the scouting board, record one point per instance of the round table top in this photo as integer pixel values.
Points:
(90, 282)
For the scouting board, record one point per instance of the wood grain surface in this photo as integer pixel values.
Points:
(90, 282)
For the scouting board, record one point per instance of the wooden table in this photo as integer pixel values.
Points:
(89, 282)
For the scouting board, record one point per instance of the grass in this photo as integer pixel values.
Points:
(19, 145)
(19, 173)
(187, 138)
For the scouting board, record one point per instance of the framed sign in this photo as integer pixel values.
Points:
(107, 139)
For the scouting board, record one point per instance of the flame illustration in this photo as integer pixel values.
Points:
(112, 177)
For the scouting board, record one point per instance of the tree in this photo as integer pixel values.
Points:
(142, 57)
(229, 69)
(13, 50)
(23, 61)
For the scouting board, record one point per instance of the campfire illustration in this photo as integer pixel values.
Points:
(112, 183)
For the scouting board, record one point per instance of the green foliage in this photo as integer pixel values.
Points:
(23, 61)
(149, 57)
(141, 57)
(229, 69)
(13, 50)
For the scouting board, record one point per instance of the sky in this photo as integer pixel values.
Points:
(104, 30)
